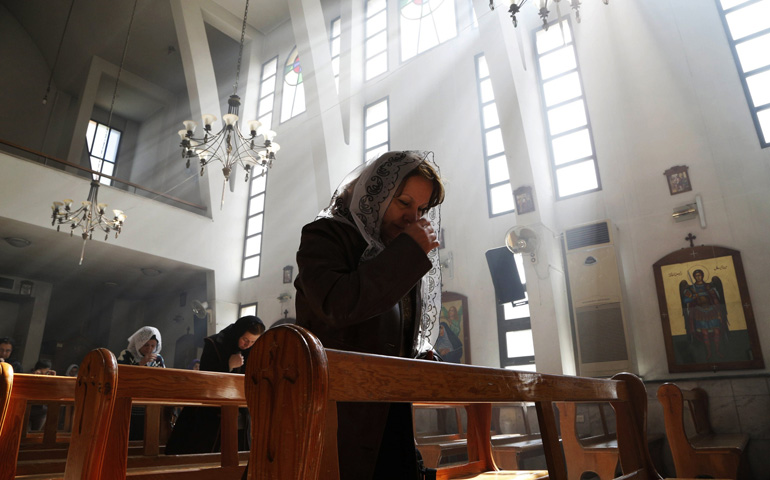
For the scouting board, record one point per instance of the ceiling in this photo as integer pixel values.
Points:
(98, 28)
(53, 257)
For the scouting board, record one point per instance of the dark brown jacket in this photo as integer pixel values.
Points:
(368, 307)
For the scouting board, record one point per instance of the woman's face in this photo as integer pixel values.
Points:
(406, 207)
(247, 340)
(196, 366)
(74, 372)
(148, 347)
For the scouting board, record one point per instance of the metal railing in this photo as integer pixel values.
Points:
(46, 158)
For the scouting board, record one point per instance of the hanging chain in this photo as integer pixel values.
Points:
(120, 69)
(240, 51)
(58, 51)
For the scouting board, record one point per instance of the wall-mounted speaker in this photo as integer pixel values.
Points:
(505, 275)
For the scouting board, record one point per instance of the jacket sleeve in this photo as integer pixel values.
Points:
(210, 358)
(341, 291)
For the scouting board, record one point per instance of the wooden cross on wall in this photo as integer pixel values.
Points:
(690, 237)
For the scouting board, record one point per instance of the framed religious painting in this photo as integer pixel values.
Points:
(705, 310)
(453, 343)
(678, 179)
(524, 201)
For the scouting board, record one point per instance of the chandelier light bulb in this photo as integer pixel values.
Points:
(254, 126)
(85, 203)
(208, 119)
(269, 135)
(273, 147)
(190, 126)
(230, 119)
(182, 134)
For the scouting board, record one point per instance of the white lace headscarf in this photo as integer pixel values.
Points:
(140, 337)
(361, 201)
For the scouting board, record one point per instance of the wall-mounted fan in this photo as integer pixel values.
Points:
(200, 308)
(522, 240)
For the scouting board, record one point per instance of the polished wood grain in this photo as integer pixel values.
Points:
(289, 367)
(6, 385)
(706, 453)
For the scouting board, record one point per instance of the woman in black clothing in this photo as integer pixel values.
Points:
(198, 428)
(369, 281)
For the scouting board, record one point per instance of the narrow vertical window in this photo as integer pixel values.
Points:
(334, 45)
(747, 23)
(425, 24)
(376, 44)
(376, 129)
(103, 143)
(248, 309)
(514, 330)
(498, 180)
(293, 101)
(267, 93)
(252, 248)
(568, 129)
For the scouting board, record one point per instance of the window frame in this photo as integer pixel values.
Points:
(366, 128)
(763, 137)
(99, 177)
(400, 38)
(368, 37)
(338, 39)
(513, 325)
(284, 84)
(545, 109)
(487, 157)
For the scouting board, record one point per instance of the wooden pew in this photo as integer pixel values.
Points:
(705, 453)
(508, 449)
(6, 384)
(598, 454)
(293, 384)
(104, 394)
(27, 387)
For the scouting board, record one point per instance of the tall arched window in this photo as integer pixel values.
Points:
(293, 102)
(425, 24)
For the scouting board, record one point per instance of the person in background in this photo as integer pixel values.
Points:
(6, 350)
(143, 350)
(194, 365)
(72, 370)
(38, 413)
(369, 281)
(197, 430)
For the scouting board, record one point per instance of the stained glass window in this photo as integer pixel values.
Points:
(293, 102)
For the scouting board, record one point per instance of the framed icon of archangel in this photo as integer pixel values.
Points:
(705, 310)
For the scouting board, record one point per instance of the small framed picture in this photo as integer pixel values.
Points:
(524, 201)
(678, 179)
(288, 273)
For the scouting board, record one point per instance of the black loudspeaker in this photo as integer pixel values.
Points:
(505, 275)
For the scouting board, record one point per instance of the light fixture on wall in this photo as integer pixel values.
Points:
(91, 214)
(543, 12)
(229, 146)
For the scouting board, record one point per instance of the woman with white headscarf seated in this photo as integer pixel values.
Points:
(143, 350)
(369, 281)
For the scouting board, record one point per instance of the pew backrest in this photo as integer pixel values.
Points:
(27, 388)
(292, 385)
(105, 392)
(6, 385)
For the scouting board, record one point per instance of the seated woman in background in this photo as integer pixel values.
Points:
(198, 428)
(144, 350)
(72, 370)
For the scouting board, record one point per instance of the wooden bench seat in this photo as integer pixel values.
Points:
(293, 385)
(702, 452)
